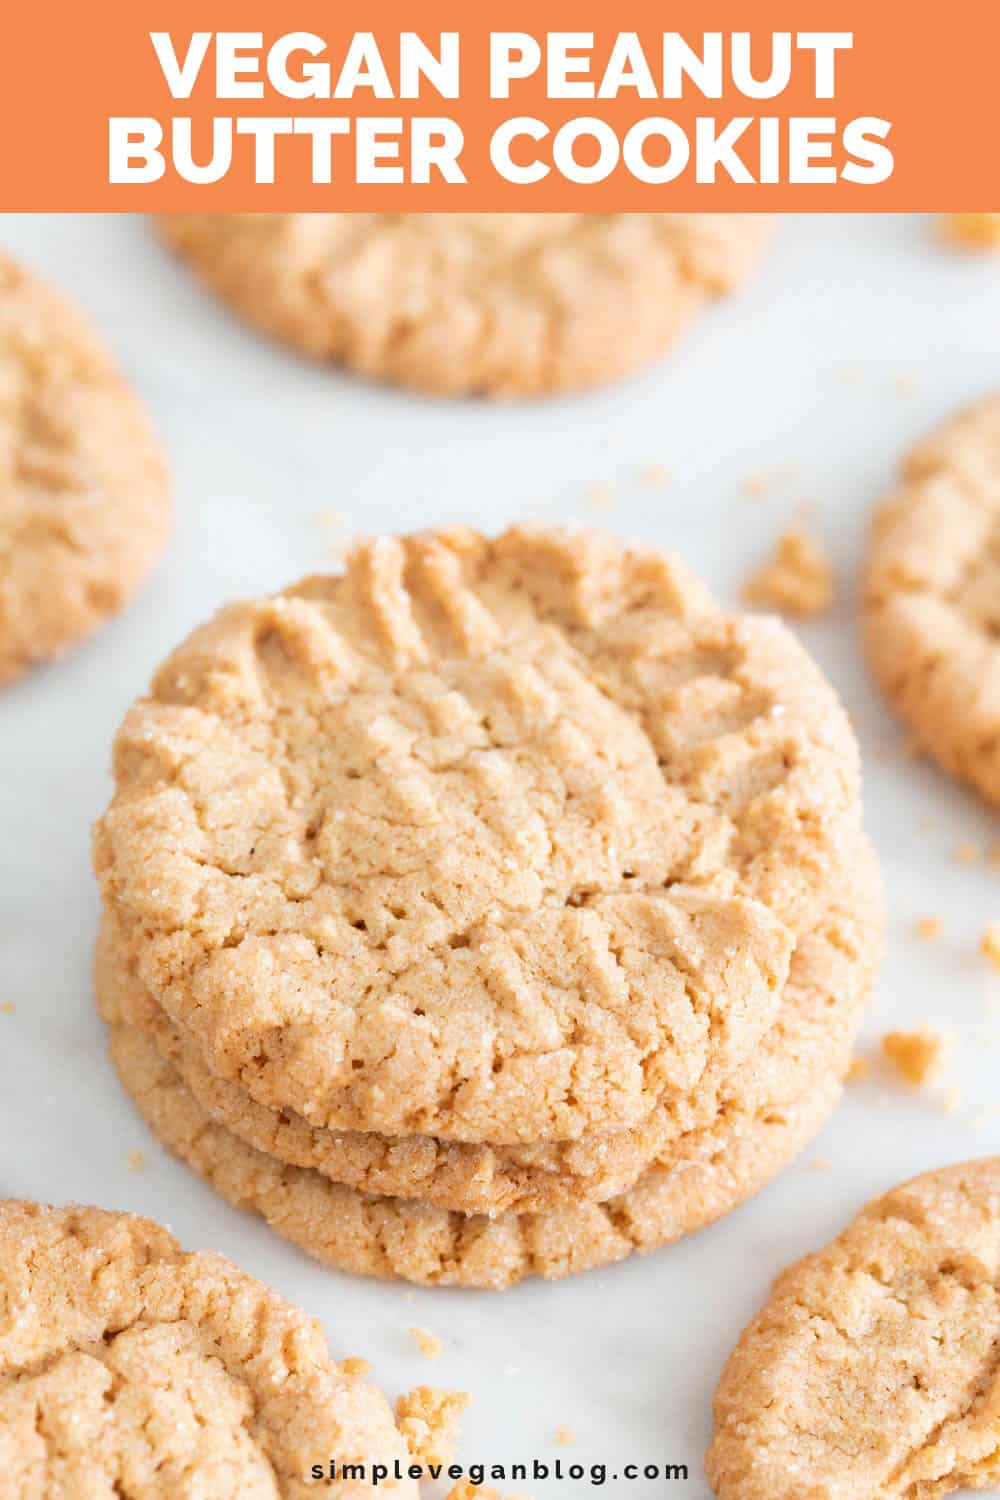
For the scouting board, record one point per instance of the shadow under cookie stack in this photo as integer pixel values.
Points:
(495, 909)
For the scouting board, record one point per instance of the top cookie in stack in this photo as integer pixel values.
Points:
(490, 877)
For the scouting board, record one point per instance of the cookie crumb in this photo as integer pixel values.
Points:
(798, 579)
(655, 474)
(972, 231)
(967, 853)
(858, 1071)
(466, 1490)
(429, 1420)
(989, 944)
(951, 1101)
(928, 927)
(428, 1343)
(331, 520)
(356, 1369)
(822, 1164)
(565, 1436)
(136, 1161)
(763, 481)
(600, 497)
(8, 1008)
(917, 1056)
(755, 484)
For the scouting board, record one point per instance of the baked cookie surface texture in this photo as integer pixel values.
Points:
(84, 500)
(131, 1369)
(768, 1112)
(495, 908)
(871, 1373)
(932, 596)
(502, 304)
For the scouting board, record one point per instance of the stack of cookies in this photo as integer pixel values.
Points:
(493, 909)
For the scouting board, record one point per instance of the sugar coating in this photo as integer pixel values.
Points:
(84, 501)
(500, 304)
(932, 600)
(871, 1373)
(497, 841)
(128, 1367)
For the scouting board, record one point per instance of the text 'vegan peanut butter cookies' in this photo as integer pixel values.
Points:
(932, 596)
(503, 304)
(871, 1373)
(816, 1019)
(130, 1368)
(776, 1103)
(451, 845)
(84, 501)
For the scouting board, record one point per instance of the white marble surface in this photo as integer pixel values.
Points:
(855, 336)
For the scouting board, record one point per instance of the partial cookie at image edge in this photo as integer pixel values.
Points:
(85, 506)
(126, 1363)
(871, 1371)
(931, 620)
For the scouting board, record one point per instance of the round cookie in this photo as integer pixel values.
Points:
(453, 1174)
(130, 1368)
(811, 1017)
(455, 844)
(871, 1374)
(84, 501)
(932, 596)
(500, 304)
(787, 1096)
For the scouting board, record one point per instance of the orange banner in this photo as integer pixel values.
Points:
(551, 105)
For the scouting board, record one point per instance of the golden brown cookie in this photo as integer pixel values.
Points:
(972, 231)
(84, 501)
(932, 596)
(811, 1017)
(130, 1368)
(497, 841)
(503, 304)
(453, 1174)
(871, 1373)
(788, 1093)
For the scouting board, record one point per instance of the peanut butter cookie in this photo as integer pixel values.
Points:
(932, 596)
(496, 841)
(503, 304)
(130, 1368)
(782, 1100)
(871, 1374)
(84, 501)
